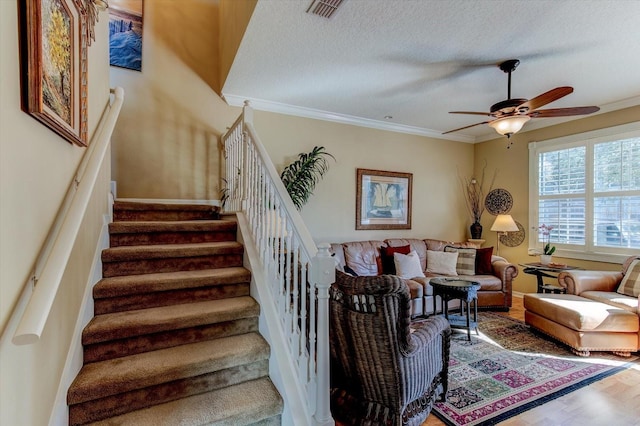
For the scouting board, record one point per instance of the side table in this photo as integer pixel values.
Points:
(541, 271)
(467, 291)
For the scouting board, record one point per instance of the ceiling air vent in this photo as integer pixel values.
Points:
(324, 8)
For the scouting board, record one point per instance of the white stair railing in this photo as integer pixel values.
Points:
(297, 272)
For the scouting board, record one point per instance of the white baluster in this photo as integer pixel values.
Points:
(324, 274)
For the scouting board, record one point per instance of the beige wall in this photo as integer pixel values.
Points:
(438, 207)
(166, 141)
(36, 167)
(234, 18)
(513, 175)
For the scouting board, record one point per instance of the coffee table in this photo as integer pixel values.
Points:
(451, 289)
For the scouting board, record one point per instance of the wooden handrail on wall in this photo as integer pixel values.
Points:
(54, 256)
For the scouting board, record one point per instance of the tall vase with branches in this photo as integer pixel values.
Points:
(301, 176)
(474, 192)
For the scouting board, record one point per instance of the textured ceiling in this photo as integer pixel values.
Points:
(415, 60)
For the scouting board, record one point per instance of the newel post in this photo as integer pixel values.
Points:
(323, 274)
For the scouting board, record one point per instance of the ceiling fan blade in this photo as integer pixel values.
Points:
(545, 98)
(563, 112)
(465, 127)
(471, 112)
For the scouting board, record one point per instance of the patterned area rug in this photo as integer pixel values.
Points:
(509, 369)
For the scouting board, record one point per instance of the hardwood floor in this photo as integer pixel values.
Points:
(614, 401)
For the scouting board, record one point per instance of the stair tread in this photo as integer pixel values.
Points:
(175, 226)
(133, 205)
(170, 250)
(104, 378)
(164, 281)
(240, 404)
(121, 325)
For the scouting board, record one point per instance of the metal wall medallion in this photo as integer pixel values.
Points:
(515, 238)
(498, 201)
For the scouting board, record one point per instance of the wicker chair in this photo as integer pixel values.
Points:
(385, 370)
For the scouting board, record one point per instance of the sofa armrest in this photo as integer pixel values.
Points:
(505, 271)
(577, 282)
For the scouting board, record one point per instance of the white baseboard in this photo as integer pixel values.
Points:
(517, 294)
(73, 364)
(171, 201)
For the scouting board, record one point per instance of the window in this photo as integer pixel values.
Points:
(587, 187)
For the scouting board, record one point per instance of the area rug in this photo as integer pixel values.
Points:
(508, 369)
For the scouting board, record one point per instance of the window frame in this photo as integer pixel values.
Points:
(587, 139)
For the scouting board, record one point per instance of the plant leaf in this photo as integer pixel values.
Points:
(301, 176)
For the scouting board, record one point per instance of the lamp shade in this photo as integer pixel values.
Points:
(504, 223)
(509, 125)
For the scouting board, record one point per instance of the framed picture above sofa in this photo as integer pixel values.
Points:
(383, 199)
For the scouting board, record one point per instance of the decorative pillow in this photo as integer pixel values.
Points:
(442, 262)
(483, 261)
(408, 265)
(630, 284)
(388, 262)
(466, 264)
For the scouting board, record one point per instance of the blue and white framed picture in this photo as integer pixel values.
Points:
(383, 199)
(125, 34)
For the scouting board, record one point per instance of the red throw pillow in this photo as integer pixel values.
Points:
(388, 265)
(483, 261)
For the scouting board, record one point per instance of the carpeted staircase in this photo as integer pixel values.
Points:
(174, 340)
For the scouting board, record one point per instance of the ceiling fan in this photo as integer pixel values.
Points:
(508, 116)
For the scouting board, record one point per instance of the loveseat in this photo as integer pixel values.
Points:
(372, 257)
(599, 312)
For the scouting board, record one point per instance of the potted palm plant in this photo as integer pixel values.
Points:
(301, 176)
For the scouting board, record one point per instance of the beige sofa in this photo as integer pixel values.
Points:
(592, 316)
(363, 258)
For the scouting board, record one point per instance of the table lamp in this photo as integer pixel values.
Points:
(504, 223)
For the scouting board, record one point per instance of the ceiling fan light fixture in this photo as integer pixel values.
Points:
(509, 125)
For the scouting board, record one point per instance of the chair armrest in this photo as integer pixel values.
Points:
(577, 282)
(424, 332)
(427, 353)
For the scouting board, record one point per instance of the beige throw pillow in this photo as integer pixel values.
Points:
(442, 262)
(466, 264)
(408, 265)
(630, 284)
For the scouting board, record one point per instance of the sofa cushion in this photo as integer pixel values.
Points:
(483, 261)
(386, 254)
(436, 245)
(363, 257)
(466, 264)
(581, 314)
(441, 262)
(415, 288)
(415, 244)
(408, 265)
(614, 299)
(630, 284)
(487, 282)
(338, 254)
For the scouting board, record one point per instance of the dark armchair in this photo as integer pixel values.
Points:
(385, 370)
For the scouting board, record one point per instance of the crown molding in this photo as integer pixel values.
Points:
(280, 108)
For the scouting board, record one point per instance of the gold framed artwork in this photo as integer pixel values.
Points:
(383, 199)
(53, 65)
